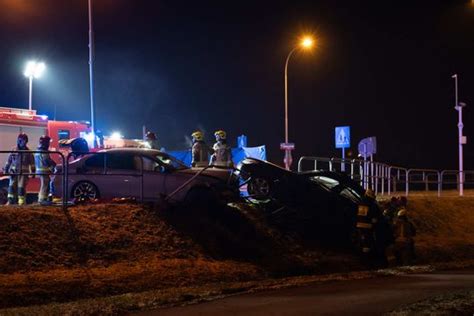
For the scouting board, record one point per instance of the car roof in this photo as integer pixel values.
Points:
(134, 150)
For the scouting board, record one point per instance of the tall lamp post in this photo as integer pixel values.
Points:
(91, 68)
(305, 43)
(33, 69)
(461, 139)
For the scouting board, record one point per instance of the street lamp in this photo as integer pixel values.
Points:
(91, 67)
(33, 69)
(306, 43)
(458, 106)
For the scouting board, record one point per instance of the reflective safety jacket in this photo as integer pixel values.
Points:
(200, 154)
(404, 230)
(222, 156)
(44, 163)
(20, 159)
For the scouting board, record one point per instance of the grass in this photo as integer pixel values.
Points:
(122, 257)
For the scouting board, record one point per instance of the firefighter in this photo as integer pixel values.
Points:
(370, 194)
(19, 163)
(222, 156)
(392, 209)
(404, 231)
(151, 140)
(383, 235)
(44, 167)
(200, 151)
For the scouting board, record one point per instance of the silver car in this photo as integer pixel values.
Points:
(143, 174)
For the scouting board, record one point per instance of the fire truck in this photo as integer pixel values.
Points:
(14, 121)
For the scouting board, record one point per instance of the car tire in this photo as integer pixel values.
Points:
(259, 188)
(85, 191)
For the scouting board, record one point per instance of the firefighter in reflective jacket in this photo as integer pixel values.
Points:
(222, 156)
(19, 162)
(44, 167)
(200, 151)
(404, 231)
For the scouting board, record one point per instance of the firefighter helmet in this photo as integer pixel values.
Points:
(197, 135)
(220, 135)
(44, 141)
(150, 136)
(402, 212)
(23, 137)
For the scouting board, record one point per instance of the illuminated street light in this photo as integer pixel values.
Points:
(306, 43)
(33, 69)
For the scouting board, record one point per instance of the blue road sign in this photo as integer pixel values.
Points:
(343, 137)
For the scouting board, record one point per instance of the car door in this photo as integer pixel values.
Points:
(153, 181)
(122, 176)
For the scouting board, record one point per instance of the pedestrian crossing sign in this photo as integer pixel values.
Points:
(343, 137)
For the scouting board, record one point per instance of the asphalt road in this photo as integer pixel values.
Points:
(355, 297)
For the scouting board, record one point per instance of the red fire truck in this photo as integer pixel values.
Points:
(14, 121)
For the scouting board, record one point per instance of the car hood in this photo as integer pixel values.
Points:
(216, 173)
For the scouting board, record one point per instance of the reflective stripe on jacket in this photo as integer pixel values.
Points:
(404, 231)
(44, 163)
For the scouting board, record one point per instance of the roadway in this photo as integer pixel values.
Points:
(373, 296)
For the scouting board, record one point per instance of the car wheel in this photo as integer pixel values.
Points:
(259, 188)
(3, 192)
(85, 191)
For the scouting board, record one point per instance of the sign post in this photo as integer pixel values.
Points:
(287, 147)
(343, 140)
(367, 148)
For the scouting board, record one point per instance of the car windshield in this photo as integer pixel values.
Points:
(171, 163)
(351, 195)
(333, 185)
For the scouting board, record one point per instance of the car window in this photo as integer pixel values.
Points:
(352, 195)
(63, 134)
(171, 163)
(120, 161)
(326, 182)
(95, 161)
(150, 164)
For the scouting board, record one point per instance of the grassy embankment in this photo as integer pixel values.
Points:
(109, 250)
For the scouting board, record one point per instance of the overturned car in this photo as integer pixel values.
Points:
(323, 207)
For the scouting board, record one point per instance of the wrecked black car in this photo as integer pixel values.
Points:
(324, 207)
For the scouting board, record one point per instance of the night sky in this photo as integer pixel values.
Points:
(382, 67)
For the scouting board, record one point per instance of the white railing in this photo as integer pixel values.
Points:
(387, 179)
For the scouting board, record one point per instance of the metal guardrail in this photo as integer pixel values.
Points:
(381, 177)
